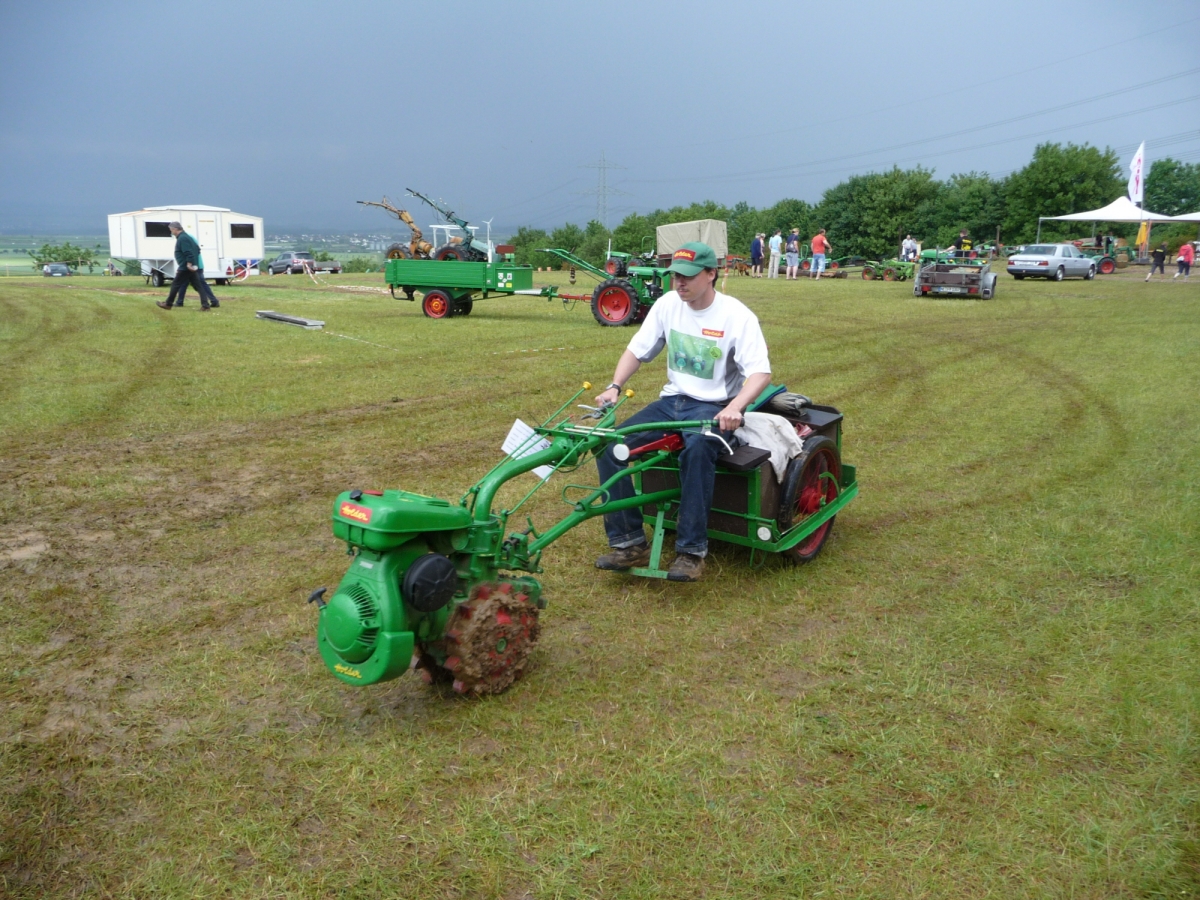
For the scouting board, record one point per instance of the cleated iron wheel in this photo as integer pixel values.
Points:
(812, 479)
(889, 274)
(437, 304)
(614, 303)
(868, 273)
(487, 641)
(458, 252)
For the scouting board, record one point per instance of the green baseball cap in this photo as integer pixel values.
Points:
(693, 258)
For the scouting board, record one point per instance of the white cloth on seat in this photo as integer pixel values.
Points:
(776, 434)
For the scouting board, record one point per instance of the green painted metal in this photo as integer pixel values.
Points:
(497, 277)
(368, 629)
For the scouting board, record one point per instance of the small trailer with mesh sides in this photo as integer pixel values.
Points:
(967, 278)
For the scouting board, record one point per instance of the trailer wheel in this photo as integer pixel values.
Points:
(614, 303)
(868, 273)
(398, 251)
(463, 307)
(156, 278)
(437, 304)
(1107, 266)
(452, 251)
(889, 274)
(812, 479)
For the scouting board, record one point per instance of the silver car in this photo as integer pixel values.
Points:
(1057, 261)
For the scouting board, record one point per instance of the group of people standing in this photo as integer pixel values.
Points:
(789, 251)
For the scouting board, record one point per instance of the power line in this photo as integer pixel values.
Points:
(795, 167)
(602, 190)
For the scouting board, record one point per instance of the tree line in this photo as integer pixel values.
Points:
(868, 215)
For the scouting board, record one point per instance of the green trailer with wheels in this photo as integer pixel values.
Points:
(449, 287)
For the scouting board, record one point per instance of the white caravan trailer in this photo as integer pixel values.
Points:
(231, 243)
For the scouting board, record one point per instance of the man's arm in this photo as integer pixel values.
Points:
(730, 418)
(627, 365)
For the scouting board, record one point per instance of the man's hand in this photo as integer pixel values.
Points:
(192, 266)
(609, 397)
(730, 418)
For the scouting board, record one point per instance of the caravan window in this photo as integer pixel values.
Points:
(241, 231)
(157, 229)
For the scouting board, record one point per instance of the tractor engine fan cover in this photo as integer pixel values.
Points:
(430, 582)
(351, 622)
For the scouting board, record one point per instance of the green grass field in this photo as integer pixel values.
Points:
(985, 686)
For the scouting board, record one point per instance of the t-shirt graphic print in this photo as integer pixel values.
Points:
(692, 355)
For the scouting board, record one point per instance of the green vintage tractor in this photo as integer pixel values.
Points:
(447, 588)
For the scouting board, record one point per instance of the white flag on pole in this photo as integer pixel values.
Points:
(1136, 180)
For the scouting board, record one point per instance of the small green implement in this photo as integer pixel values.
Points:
(628, 286)
(447, 588)
(889, 270)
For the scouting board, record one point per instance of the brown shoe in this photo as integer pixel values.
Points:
(622, 558)
(686, 567)
(162, 305)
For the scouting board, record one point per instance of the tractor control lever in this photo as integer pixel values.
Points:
(597, 412)
(316, 597)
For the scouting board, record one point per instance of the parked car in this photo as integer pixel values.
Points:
(56, 270)
(1057, 261)
(293, 262)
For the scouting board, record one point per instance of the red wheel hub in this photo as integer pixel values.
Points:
(613, 304)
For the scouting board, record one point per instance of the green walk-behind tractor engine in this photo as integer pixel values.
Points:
(439, 587)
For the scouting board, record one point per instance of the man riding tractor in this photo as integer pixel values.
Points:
(717, 365)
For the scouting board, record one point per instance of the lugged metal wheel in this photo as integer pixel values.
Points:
(487, 641)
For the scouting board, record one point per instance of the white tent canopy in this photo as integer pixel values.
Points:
(1120, 210)
(1187, 217)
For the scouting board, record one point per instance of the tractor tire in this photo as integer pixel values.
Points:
(463, 307)
(868, 273)
(437, 304)
(616, 267)
(804, 489)
(398, 251)
(806, 265)
(833, 266)
(889, 274)
(456, 252)
(487, 641)
(1060, 274)
(1107, 266)
(614, 303)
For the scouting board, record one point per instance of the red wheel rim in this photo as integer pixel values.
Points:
(1106, 267)
(813, 490)
(613, 304)
(832, 266)
(806, 265)
(611, 267)
(436, 305)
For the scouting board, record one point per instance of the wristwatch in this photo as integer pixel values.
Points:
(614, 385)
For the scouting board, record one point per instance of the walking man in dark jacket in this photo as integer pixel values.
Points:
(188, 268)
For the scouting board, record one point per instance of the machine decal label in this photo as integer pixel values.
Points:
(692, 355)
(689, 255)
(712, 332)
(347, 671)
(355, 512)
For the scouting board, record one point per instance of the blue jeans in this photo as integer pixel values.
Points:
(697, 470)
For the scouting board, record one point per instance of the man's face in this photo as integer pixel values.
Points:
(175, 232)
(692, 287)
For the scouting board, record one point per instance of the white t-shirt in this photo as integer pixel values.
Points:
(775, 243)
(710, 353)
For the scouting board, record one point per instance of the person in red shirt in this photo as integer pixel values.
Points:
(1187, 256)
(820, 246)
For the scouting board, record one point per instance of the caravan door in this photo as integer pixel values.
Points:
(206, 236)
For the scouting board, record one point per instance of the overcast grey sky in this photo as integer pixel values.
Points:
(293, 111)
